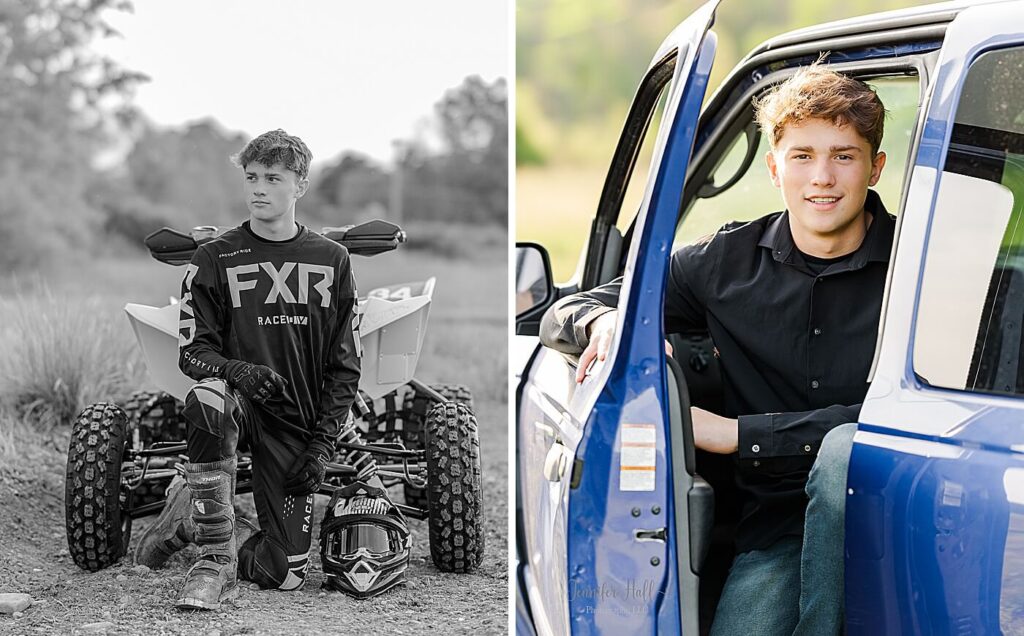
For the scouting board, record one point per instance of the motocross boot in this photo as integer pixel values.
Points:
(171, 531)
(213, 578)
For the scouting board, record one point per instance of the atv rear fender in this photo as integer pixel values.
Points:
(392, 323)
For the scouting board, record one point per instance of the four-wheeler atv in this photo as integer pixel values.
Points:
(121, 458)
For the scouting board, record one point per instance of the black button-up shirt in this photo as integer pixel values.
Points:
(795, 348)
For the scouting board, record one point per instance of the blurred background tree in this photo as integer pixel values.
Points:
(352, 184)
(467, 177)
(578, 62)
(83, 170)
(60, 103)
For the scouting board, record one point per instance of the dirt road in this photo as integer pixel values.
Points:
(125, 600)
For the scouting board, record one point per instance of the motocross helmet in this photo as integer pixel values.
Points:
(364, 542)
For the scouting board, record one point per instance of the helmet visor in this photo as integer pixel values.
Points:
(370, 537)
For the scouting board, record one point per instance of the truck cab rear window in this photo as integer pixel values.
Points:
(970, 314)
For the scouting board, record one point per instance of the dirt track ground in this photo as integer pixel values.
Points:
(34, 560)
(466, 342)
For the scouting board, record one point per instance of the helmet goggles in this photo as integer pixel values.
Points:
(364, 542)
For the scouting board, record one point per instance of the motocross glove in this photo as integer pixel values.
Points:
(307, 472)
(254, 381)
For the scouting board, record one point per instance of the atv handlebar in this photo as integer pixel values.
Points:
(366, 239)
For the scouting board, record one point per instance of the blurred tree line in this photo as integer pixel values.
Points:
(65, 107)
(57, 104)
(578, 62)
(463, 177)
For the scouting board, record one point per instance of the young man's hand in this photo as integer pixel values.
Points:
(257, 382)
(600, 331)
(307, 472)
(714, 433)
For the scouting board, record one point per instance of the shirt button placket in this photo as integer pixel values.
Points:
(814, 347)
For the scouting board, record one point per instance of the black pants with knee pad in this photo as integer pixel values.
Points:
(222, 422)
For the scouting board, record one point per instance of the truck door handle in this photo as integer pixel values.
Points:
(556, 462)
(658, 534)
(547, 429)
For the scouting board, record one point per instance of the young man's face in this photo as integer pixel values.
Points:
(824, 172)
(271, 191)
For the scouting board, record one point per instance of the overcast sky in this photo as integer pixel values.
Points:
(341, 75)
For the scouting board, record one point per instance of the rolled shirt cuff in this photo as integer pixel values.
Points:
(755, 436)
(580, 326)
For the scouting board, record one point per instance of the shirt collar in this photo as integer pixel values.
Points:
(876, 246)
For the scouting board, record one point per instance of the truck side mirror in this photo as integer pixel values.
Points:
(535, 290)
(533, 277)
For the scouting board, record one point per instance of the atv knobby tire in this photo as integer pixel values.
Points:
(413, 432)
(455, 393)
(454, 488)
(98, 525)
(157, 416)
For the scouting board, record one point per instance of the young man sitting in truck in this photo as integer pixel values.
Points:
(792, 303)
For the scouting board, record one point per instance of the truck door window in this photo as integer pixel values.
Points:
(634, 196)
(754, 196)
(968, 334)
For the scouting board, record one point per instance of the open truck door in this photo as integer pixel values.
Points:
(603, 480)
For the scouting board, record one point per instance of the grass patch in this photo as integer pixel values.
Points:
(24, 448)
(455, 240)
(473, 352)
(10, 432)
(554, 207)
(61, 355)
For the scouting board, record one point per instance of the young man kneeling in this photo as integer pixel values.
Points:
(267, 329)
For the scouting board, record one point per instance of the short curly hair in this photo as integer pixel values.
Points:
(274, 147)
(817, 92)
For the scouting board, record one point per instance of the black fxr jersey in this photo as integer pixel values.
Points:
(289, 305)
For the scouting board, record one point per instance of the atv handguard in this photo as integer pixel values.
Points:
(366, 239)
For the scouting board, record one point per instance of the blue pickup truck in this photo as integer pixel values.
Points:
(935, 497)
